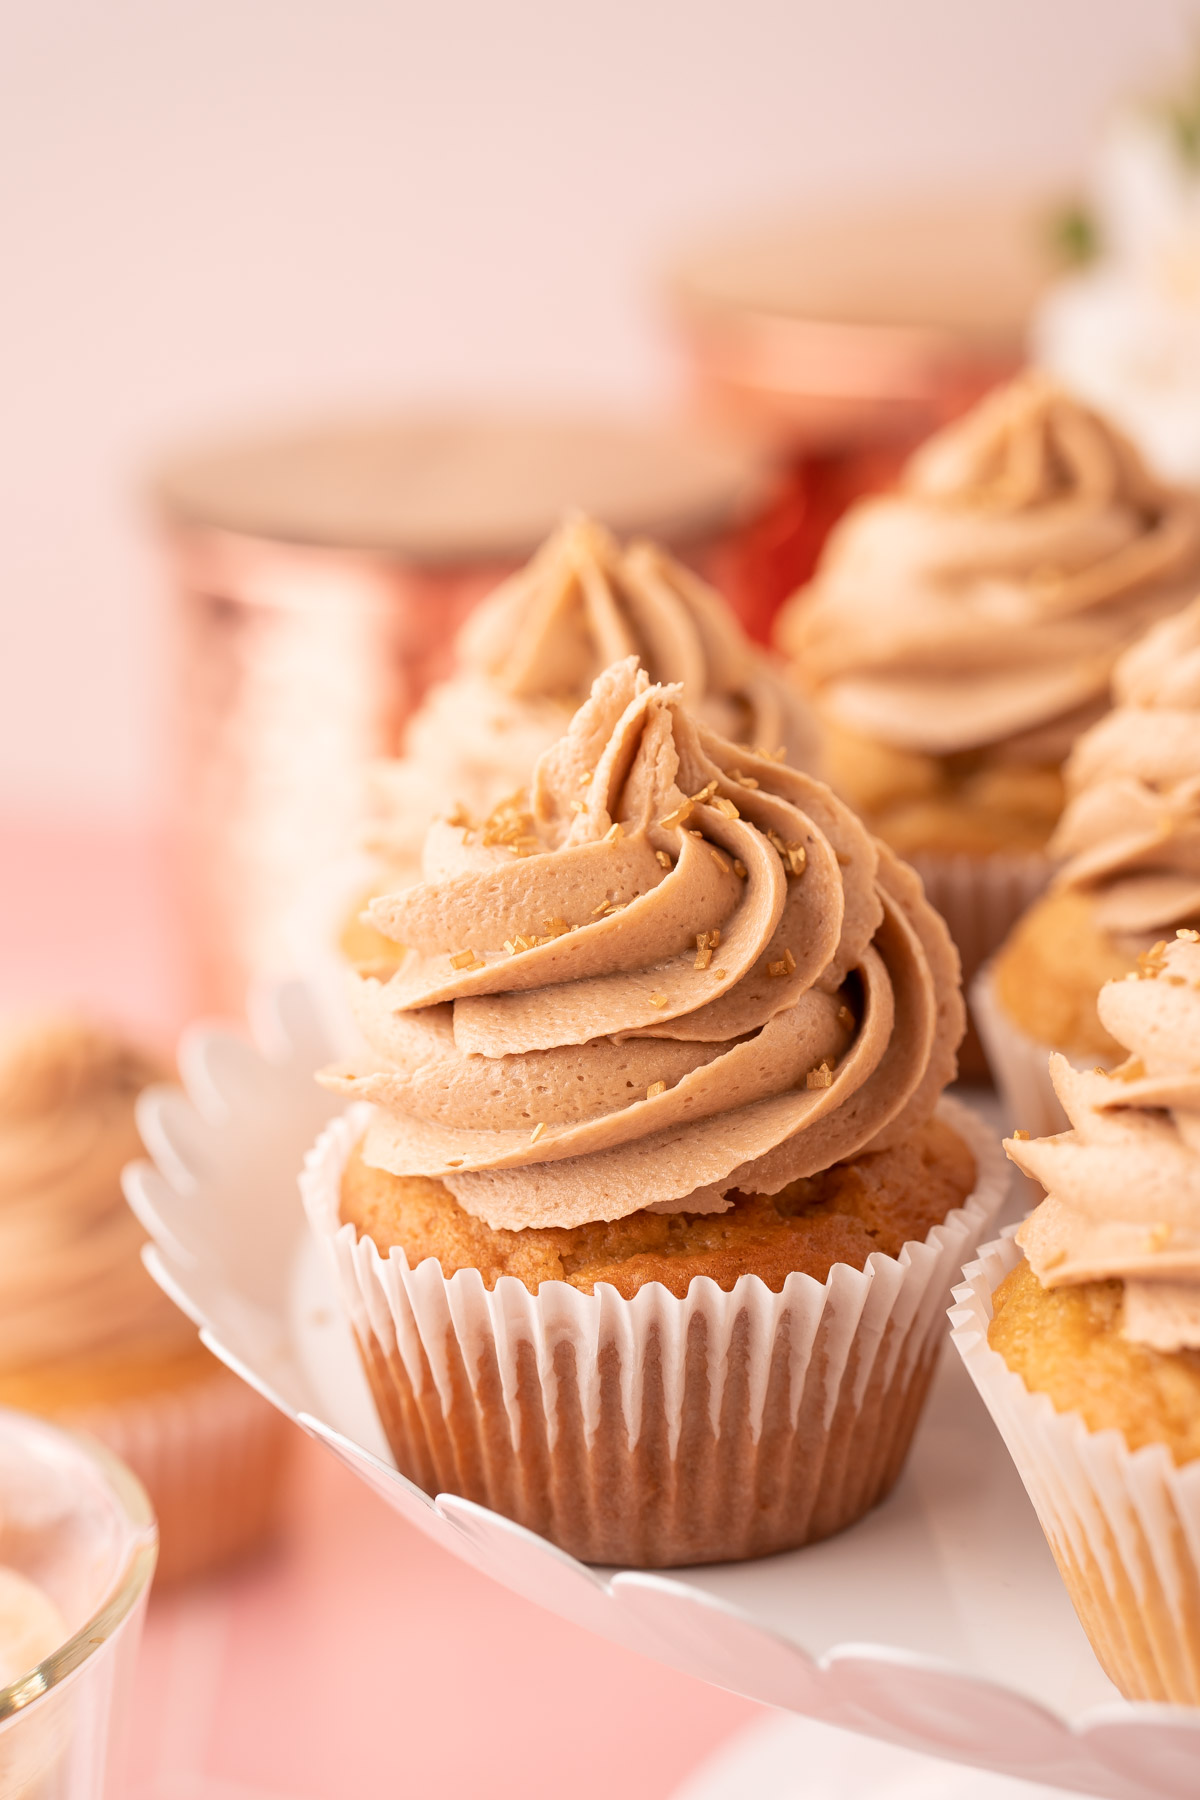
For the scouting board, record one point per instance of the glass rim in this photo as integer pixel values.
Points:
(124, 1591)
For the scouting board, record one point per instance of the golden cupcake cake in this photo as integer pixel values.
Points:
(647, 1208)
(86, 1337)
(1129, 840)
(960, 633)
(1082, 1332)
(526, 659)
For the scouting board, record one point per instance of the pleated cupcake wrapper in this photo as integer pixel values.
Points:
(653, 1431)
(1020, 1065)
(1124, 1526)
(981, 898)
(211, 1454)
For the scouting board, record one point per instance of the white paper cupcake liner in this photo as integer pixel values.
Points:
(1124, 1526)
(654, 1431)
(981, 898)
(211, 1454)
(1020, 1065)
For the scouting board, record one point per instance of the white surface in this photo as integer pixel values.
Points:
(226, 210)
(938, 1622)
(785, 1758)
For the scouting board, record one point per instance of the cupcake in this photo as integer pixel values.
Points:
(960, 633)
(1082, 1332)
(1130, 835)
(86, 1337)
(526, 659)
(1123, 330)
(647, 1208)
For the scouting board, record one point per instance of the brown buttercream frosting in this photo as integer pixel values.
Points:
(1123, 1184)
(527, 658)
(674, 969)
(72, 1283)
(985, 602)
(1131, 829)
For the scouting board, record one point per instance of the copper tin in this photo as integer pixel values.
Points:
(845, 338)
(319, 578)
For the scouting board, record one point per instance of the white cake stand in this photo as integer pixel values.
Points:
(938, 1623)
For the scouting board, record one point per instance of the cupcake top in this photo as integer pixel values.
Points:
(1125, 329)
(1131, 828)
(672, 969)
(1123, 1185)
(986, 601)
(72, 1283)
(529, 653)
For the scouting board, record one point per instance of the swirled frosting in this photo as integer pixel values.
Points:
(528, 655)
(697, 973)
(1131, 828)
(1123, 1184)
(72, 1283)
(986, 601)
(1124, 332)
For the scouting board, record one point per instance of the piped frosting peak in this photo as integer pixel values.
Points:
(527, 657)
(1123, 1184)
(1131, 828)
(988, 598)
(670, 969)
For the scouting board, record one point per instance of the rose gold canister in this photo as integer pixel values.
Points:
(319, 579)
(845, 338)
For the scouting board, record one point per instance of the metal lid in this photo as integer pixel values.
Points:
(447, 488)
(966, 266)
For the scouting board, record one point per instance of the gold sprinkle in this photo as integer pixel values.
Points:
(659, 1000)
(677, 817)
(797, 858)
(722, 862)
(1176, 981)
(537, 1132)
(455, 1162)
(720, 974)
(614, 906)
(739, 868)
(585, 777)
(664, 859)
(1152, 962)
(779, 755)
(597, 910)
(705, 794)
(511, 826)
(510, 946)
(846, 1017)
(704, 949)
(555, 928)
(744, 780)
(460, 816)
(1022, 1137)
(577, 806)
(714, 936)
(786, 965)
(1189, 937)
(1099, 1071)
(820, 1077)
(656, 1088)
(726, 807)
(615, 833)
(465, 959)
(695, 834)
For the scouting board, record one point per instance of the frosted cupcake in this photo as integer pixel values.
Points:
(1086, 1348)
(85, 1335)
(1124, 331)
(645, 1228)
(1131, 839)
(960, 634)
(526, 659)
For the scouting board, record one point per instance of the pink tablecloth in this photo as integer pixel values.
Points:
(357, 1662)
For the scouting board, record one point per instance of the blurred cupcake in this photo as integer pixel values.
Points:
(85, 1335)
(1087, 1349)
(1124, 330)
(646, 1228)
(1131, 834)
(527, 658)
(960, 633)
